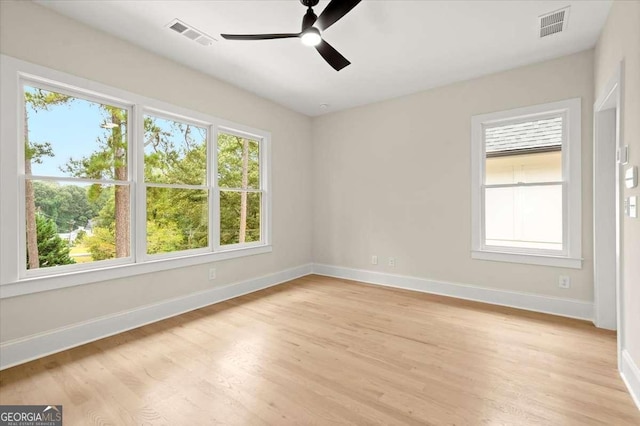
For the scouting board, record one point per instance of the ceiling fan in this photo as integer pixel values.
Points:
(312, 27)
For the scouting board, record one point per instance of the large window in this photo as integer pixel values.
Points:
(106, 183)
(526, 185)
(77, 198)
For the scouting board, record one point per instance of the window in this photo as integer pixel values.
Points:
(107, 184)
(176, 185)
(526, 185)
(240, 194)
(77, 198)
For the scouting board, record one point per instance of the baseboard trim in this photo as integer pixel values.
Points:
(29, 348)
(631, 376)
(26, 349)
(532, 302)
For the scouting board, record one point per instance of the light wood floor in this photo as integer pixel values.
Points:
(321, 351)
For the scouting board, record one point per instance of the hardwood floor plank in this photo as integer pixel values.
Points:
(324, 351)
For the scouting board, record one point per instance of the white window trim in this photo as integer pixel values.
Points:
(571, 256)
(12, 284)
(142, 186)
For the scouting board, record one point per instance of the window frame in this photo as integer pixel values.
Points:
(143, 185)
(218, 189)
(15, 279)
(38, 83)
(571, 254)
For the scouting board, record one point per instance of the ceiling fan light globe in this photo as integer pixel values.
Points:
(311, 38)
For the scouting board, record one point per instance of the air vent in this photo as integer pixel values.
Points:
(554, 22)
(190, 32)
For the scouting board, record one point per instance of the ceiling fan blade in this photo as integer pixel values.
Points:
(257, 36)
(332, 56)
(333, 12)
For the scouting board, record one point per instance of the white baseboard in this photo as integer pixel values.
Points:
(631, 376)
(22, 350)
(531, 302)
(37, 346)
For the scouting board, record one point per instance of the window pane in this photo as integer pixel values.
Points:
(72, 137)
(526, 152)
(238, 162)
(75, 223)
(174, 152)
(526, 168)
(177, 219)
(239, 217)
(524, 217)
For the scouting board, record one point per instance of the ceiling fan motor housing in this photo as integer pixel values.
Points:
(309, 3)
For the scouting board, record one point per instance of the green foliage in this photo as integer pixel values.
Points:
(230, 152)
(52, 250)
(102, 244)
(80, 237)
(230, 162)
(34, 151)
(163, 238)
(177, 210)
(175, 153)
(68, 205)
(230, 217)
(42, 100)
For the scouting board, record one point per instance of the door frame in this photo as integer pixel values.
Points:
(610, 98)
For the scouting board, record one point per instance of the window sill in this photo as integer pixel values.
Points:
(71, 279)
(531, 259)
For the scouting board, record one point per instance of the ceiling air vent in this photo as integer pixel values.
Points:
(554, 22)
(190, 32)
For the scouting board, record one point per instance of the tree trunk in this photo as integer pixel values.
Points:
(30, 203)
(122, 207)
(243, 194)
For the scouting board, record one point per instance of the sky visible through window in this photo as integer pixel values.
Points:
(71, 129)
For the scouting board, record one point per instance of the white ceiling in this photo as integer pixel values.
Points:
(395, 47)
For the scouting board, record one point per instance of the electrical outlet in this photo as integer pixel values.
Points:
(564, 281)
(392, 262)
(212, 273)
(374, 260)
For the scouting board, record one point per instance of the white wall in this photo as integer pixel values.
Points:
(393, 179)
(620, 41)
(36, 34)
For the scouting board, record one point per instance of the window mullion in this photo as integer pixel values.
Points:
(140, 187)
(175, 186)
(214, 191)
